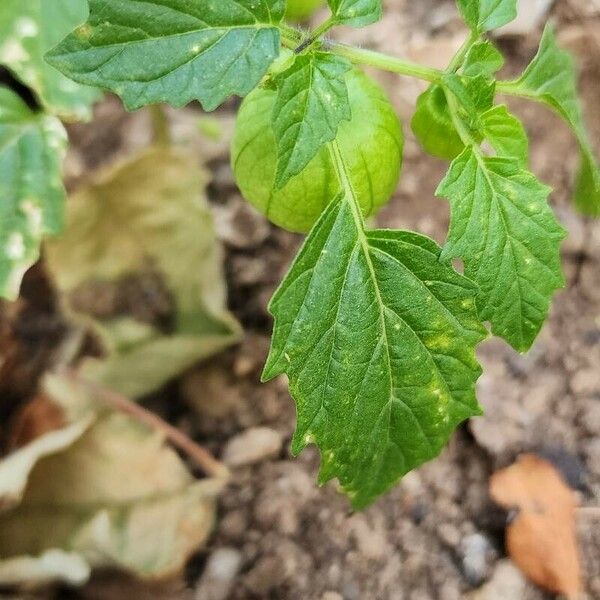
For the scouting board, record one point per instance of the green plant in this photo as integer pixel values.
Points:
(374, 328)
(301, 9)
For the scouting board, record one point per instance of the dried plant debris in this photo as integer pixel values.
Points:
(89, 492)
(541, 539)
(140, 264)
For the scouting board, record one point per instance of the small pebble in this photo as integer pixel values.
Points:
(252, 446)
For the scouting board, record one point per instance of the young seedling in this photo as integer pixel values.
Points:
(375, 329)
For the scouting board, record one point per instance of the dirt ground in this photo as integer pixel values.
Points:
(437, 536)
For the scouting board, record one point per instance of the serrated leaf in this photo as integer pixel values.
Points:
(312, 101)
(505, 133)
(164, 224)
(475, 94)
(32, 147)
(551, 78)
(381, 407)
(485, 15)
(356, 13)
(28, 29)
(173, 51)
(483, 59)
(509, 240)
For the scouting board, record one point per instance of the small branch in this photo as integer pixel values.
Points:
(322, 29)
(459, 57)
(465, 135)
(160, 125)
(202, 457)
(386, 63)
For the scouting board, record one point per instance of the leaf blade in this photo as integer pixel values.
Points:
(505, 133)
(312, 101)
(509, 239)
(485, 15)
(31, 151)
(356, 13)
(28, 30)
(380, 408)
(154, 52)
(551, 78)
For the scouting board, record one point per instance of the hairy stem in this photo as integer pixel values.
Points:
(461, 128)
(323, 28)
(385, 62)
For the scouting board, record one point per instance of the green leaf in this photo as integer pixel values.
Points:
(173, 51)
(551, 78)
(165, 226)
(475, 94)
(433, 126)
(432, 122)
(300, 10)
(27, 31)
(356, 13)
(483, 59)
(485, 15)
(371, 143)
(312, 101)
(509, 240)
(32, 147)
(377, 337)
(505, 133)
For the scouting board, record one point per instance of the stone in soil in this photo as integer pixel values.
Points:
(252, 446)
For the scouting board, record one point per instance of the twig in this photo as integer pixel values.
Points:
(160, 125)
(202, 457)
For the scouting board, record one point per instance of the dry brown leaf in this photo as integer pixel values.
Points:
(102, 491)
(541, 540)
(38, 417)
(149, 212)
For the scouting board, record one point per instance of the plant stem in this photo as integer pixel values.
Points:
(323, 28)
(460, 56)
(289, 34)
(385, 62)
(464, 133)
(160, 125)
(509, 88)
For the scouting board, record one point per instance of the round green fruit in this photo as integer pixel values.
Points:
(370, 144)
(299, 10)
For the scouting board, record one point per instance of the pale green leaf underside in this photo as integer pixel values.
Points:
(28, 29)
(483, 59)
(31, 193)
(509, 240)
(505, 133)
(356, 13)
(175, 51)
(381, 407)
(551, 78)
(485, 15)
(312, 101)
